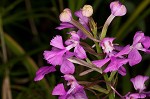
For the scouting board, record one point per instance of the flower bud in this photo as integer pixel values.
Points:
(87, 10)
(117, 9)
(66, 15)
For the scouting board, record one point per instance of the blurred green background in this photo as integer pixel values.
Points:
(27, 26)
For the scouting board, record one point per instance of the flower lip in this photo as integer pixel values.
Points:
(139, 81)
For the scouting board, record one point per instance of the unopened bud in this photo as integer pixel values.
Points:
(117, 9)
(87, 10)
(66, 15)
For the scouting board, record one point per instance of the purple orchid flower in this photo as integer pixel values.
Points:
(116, 59)
(116, 62)
(107, 46)
(58, 56)
(57, 51)
(140, 42)
(43, 71)
(76, 91)
(74, 41)
(138, 83)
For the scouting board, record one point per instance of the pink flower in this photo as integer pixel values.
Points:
(76, 91)
(139, 81)
(116, 61)
(140, 42)
(117, 9)
(107, 45)
(74, 41)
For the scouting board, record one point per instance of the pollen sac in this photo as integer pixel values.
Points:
(87, 10)
(66, 15)
(117, 9)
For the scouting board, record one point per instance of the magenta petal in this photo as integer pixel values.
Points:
(80, 52)
(54, 57)
(42, 71)
(122, 71)
(67, 67)
(138, 37)
(64, 25)
(57, 42)
(81, 95)
(134, 57)
(59, 90)
(81, 34)
(139, 81)
(146, 42)
(100, 63)
(69, 78)
(83, 19)
(137, 96)
(74, 36)
(115, 64)
(124, 51)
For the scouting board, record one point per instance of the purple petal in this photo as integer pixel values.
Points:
(67, 67)
(80, 94)
(81, 34)
(59, 90)
(80, 52)
(54, 57)
(136, 96)
(146, 42)
(69, 78)
(42, 71)
(115, 64)
(134, 57)
(138, 82)
(148, 51)
(138, 37)
(64, 25)
(122, 71)
(83, 19)
(57, 42)
(124, 51)
(74, 36)
(100, 63)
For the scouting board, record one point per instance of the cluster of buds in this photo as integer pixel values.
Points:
(74, 51)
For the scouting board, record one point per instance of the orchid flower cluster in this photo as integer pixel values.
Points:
(111, 58)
